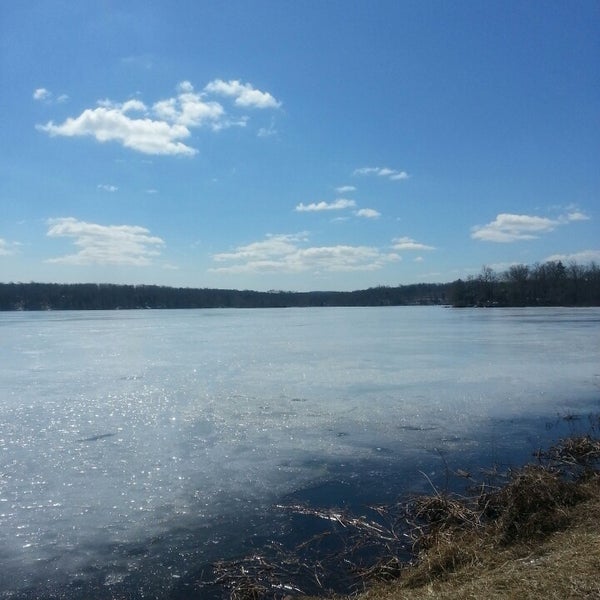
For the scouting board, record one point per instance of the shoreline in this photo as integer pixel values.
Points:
(561, 565)
(541, 540)
(534, 534)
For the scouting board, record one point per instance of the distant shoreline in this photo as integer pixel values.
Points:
(550, 284)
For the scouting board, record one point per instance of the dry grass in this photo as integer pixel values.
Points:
(535, 537)
(559, 566)
(540, 537)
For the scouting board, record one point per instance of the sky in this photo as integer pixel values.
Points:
(286, 145)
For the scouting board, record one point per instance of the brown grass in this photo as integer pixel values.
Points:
(535, 537)
(561, 565)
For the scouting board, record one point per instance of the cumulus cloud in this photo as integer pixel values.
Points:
(386, 172)
(161, 128)
(113, 124)
(339, 204)
(105, 244)
(508, 227)
(368, 213)
(188, 108)
(290, 254)
(345, 189)
(244, 93)
(407, 243)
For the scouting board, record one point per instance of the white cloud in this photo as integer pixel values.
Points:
(7, 248)
(107, 188)
(105, 244)
(345, 189)
(244, 93)
(112, 124)
(407, 243)
(161, 128)
(189, 108)
(577, 216)
(583, 257)
(289, 254)
(185, 87)
(46, 96)
(228, 122)
(41, 94)
(391, 174)
(134, 106)
(339, 204)
(368, 213)
(511, 228)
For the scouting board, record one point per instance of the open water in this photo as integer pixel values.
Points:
(138, 446)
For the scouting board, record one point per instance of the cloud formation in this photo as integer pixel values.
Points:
(368, 213)
(244, 93)
(345, 189)
(287, 253)
(114, 124)
(161, 128)
(339, 204)
(386, 172)
(407, 243)
(105, 187)
(7, 248)
(43, 95)
(105, 244)
(189, 108)
(506, 227)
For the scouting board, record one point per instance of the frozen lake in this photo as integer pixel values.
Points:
(137, 445)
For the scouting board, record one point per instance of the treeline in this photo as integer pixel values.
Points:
(548, 284)
(56, 296)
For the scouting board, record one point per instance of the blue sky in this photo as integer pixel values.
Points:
(296, 145)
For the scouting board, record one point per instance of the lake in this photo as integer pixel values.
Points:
(138, 446)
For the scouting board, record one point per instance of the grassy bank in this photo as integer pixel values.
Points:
(531, 533)
(536, 537)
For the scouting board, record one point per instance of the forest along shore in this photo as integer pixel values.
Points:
(549, 284)
(533, 533)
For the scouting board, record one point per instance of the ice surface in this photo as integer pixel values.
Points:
(140, 441)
